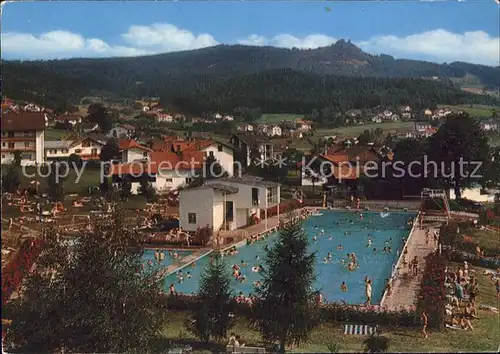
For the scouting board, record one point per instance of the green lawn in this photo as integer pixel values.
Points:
(54, 134)
(89, 177)
(487, 240)
(277, 118)
(476, 110)
(356, 130)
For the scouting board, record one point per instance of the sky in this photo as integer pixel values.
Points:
(438, 31)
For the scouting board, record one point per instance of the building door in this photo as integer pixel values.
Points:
(229, 211)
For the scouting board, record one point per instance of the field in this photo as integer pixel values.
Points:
(486, 335)
(277, 118)
(54, 134)
(475, 110)
(356, 130)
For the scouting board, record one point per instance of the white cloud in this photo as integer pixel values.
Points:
(157, 38)
(438, 45)
(167, 37)
(288, 41)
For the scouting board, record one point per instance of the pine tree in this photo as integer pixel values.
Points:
(91, 296)
(214, 318)
(287, 308)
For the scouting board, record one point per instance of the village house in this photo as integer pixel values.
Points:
(24, 132)
(303, 125)
(222, 152)
(228, 203)
(31, 107)
(247, 145)
(489, 125)
(132, 151)
(163, 117)
(377, 119)
(428, 112)
(342, 165)
(245, 128)
(121, 131)
(217, 116)
(71, 118)
(87, 148)
(228, 118)
(165, 170)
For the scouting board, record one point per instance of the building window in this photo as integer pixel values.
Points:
(3, 144)
(145, 154)
(168, 180)
(192, 218)
(78, 151)
(11, 145)
(3, 156)
(26, 156)
(26, 144)
(255, 196)
(93, 152)
(86, 144)
(219, 147)
(211, 153)
(26, 133)
(188, 180)
(11, 134)
(65, 151)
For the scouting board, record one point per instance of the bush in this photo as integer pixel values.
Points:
(376, 344)
(432, 297)
(75, 161)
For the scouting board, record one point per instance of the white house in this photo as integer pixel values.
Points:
(31, 107)
(228, 118)
(227, 203)
(132, 151)
(376, 119)
(275, 131)
(489, 125)
(87, 148)
(24, 132)
(223, 153)
(217, 116)
(245, 128)
(246, 143)
(164, 118)
(121, 131)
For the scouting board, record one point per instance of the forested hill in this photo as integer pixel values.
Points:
(268, 71)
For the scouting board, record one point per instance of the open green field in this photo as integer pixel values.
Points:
(356, 130)
(54, 134)
(277, 118)
(485, 337)
(475, 110)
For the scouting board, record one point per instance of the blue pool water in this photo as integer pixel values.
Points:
(375, 264)
(149, 255)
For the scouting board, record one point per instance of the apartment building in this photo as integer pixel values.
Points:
(24, 132)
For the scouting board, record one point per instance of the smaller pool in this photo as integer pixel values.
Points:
(149, 255)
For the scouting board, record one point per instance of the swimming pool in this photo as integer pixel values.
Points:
(149, 255)
(340, 228)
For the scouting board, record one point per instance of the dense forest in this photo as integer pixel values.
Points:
(224, 77)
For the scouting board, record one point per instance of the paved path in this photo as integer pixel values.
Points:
(405, 288)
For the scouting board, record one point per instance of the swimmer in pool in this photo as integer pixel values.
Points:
(257, 257)
(325, 260)
(340, 247)
(343, 287)
(351, 266)
(188, 275)
(374, 250)
(314, 239)
(369, 242)
(257, 284)
(329, 256)
(243, 264)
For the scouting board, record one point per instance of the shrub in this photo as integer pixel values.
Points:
(376, 344)
(432, 297)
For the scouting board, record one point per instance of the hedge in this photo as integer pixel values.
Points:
(329, 313)
(14, 272)
(432, 296)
